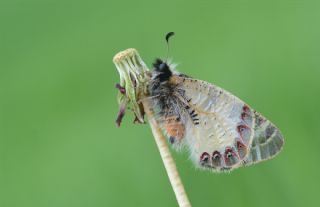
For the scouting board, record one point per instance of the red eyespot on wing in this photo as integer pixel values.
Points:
(230, 157)
(216, 159)
(239, 145)
(246, 114)
(244, 132)
(204, 158)
(242, 149)
(228, 153)
(246, 108)
(241, 128)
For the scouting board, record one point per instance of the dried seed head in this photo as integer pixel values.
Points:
(133, 79)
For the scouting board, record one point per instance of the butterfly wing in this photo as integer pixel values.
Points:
(221, 131)
(266, 142)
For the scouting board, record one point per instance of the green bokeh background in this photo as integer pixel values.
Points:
(59, 145)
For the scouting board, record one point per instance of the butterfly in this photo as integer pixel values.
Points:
(220, 131)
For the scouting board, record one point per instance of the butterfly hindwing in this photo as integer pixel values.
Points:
(224, 127)
(267, 141)
(227, 133)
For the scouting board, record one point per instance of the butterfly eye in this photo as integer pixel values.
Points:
(204, 158)
(216, 158)
(162, 66)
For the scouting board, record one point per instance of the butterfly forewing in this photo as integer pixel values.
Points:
(220, 130)
(224, 125)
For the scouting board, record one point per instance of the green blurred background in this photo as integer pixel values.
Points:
(59, 145)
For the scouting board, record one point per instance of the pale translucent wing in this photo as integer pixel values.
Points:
(222, 132)
(267, 141)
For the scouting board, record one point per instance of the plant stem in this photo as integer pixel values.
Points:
(132, 87)
(167, 159)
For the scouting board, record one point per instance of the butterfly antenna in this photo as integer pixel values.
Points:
(168, 35)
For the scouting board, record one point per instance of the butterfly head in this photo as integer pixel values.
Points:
(162, 69)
